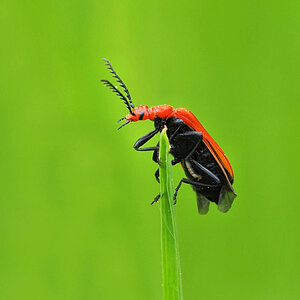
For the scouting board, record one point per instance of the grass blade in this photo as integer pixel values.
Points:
(171, 270)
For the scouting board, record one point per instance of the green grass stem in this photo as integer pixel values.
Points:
(171, 270)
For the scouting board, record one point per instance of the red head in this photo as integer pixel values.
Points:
(138, 113)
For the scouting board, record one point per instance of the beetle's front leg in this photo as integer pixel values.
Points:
(144, 139)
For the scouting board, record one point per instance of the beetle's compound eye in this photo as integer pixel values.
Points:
(141, 115)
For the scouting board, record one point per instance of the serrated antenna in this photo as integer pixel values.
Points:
(115, 90)
(118, 79)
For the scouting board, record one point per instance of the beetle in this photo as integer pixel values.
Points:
(206, 167)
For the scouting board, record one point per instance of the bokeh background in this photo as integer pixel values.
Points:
(75, 219)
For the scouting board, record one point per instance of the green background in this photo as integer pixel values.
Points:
(75, 219)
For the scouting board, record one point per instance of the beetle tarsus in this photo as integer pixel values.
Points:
(155, 199)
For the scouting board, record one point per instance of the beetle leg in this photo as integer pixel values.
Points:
(144, 139)
(194, 183)
(177, 121)
(155, 199)
(197, 137)
(175, 161)
(147, 149)
(156, 174)
(206, 171)
(155, 156)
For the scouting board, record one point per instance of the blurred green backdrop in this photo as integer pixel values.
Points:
(75, 219)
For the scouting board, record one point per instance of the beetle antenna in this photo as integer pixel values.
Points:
(115, 90)
(127, 122)
(121, 119)
(118, 79)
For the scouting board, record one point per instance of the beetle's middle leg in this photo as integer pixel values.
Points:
(186, 145)
(156, 174)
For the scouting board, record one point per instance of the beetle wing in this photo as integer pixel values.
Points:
(226, 198)
(190, 120)
(221, 159)
(202, 203)
(221, 155)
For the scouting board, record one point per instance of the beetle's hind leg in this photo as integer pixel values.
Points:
(193, 183)
(201, 168)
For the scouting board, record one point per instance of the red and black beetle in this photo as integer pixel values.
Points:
(206, 166)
